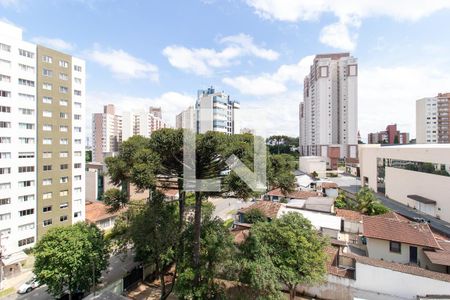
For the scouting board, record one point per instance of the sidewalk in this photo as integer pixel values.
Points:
(16, 281)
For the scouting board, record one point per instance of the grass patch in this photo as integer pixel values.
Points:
(232, 212)
(6, 292)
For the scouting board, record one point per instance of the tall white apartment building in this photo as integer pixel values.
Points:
(106, 132)
(329, 111)
(42, 130)
(215, 111)
(433, 120)
(186, 119)
(142, 123)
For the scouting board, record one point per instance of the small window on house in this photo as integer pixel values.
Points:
(395, 247)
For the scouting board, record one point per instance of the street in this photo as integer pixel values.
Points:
(226, 207)
(353, 184)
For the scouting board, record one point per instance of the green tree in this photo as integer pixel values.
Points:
(368, 204)
(290, 248)
(88, 156)
(341, 200)
(396, 140)
(115, 199)
(65, 258)
(254, 215)
(280, 173)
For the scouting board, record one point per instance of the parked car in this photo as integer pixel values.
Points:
(28, 286)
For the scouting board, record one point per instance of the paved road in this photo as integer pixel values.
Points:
(353, 184)
(225, 207)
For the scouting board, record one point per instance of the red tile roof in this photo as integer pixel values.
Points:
(393, 227)
(440, 257)
(97, 211)
(294, 194)
(349, 215)
(329, 185)
(268, 208)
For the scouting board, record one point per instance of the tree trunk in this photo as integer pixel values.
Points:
(292, 292)
(196, 243)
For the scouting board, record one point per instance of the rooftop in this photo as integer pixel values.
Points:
(421, 199)
(97, 211)
(349, 215)
(268, 208)
(294, 195)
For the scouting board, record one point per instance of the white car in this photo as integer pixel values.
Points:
(28, 286)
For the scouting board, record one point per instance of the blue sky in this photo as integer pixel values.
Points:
(142, 53)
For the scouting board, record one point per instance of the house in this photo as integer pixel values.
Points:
(328, 188)
(277, 195)
(267, 208)
(97, 213)
(392, 237)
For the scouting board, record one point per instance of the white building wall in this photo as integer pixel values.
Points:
(426, 121)
(20, 198)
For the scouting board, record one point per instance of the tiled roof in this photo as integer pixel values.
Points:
(349, 215)
(268, 208)
(97, 210)
(294, 194)
(329, 185)
(440, 257)
(240, 236)
(392, 227)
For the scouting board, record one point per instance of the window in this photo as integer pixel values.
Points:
(63, 218)
(26, 227)
(47, 141)
(63, 154)
(77, 68)
(77, 153)
(77, 117)
(26, 111)
(26, 97)
(47, 181)
(26, 53)
(77, 141)
(5, 78)
(77, 214)
(47, 100)
(64, 141)
(47, 127)
(5, 155)
(63, 102)
(63, 115)
(26, 198)
(29, 126)
(26, 183)
(4, 124)
(47, 59)
(5, 140)
(77, 80)
(63, 128)
(26, 68)
(47, 86)
(63, 64)
(26, 212)
(26, 169)
(27, 241)
(5, 94)
(47, 196)
(47, 167)
(64, 179)
(5, 109)
(77, 129)
(63, 193)
(47, 114)
(5, 201)
(4, 47)
(78, 190)
(77, 92)
(77, 177)
(77, 165)
(64, 205)
(5, 64)
(24, 140)
(395, 247)
(46, 72)
(5, 186)
(26, 82)
(5, 217)
(47, 208)
(77, 104)
(63, 76)
(26, 154)
(4, 171)
(63, 89)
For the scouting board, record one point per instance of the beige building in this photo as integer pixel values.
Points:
(106, 132)
(415, 175)
(433, 120)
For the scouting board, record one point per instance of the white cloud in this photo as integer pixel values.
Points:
(271, 84)
(123, 64)
(387, 95)
(9, 3)
(58, 44)
(349, 13)
(203, 61)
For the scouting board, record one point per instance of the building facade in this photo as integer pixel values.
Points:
(432, 120)
(142, 123)
(106, 132)
(215, 111)
(186, 119)
(42, 130)
(329, 111)
(389, 136)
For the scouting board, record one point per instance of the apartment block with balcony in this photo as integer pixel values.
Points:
(432, 119)
(143, 122)
(106, 132)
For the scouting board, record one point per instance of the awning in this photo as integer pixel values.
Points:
(421, 199)
(14, 258)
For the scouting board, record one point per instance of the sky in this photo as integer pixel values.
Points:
(159, 53)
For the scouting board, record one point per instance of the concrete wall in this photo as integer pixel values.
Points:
(309, 164)
(401, 183)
